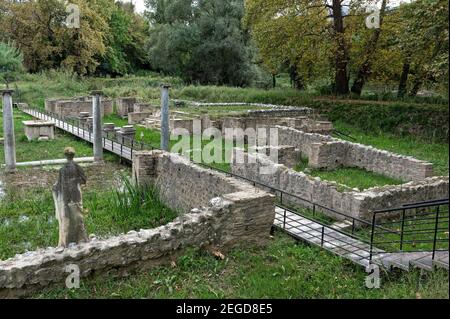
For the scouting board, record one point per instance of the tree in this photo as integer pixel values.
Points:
(110, 38)
(312, 34)
(370, 48)
(200, 41)
(11, 63)
(124, 41)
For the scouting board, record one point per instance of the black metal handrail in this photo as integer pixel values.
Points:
(410, 220)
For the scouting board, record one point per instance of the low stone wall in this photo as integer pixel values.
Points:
(331, 195)
(218, 211)
(329, 153)
(136, 118)
(125, 105)
(288, 112)
(73, 108)
(302, 123)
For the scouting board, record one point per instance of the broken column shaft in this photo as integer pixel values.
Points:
(165, 131)
(97, 126)
(8, 131)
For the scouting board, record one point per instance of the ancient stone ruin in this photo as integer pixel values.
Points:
(39, 130)
(73, 107)
(215, 211)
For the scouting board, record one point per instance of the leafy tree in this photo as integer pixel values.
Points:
(11, 60)
(308, 34)
(124, 41)
(201, 41)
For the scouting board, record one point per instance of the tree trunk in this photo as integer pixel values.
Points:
(341, 77)
(416, 86)
(274, 80)
(296, 80)
(371, 46)
(403, 80)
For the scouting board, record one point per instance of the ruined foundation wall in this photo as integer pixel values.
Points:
(329, 194)
(73, 108)
(330, 153)
(136, 118)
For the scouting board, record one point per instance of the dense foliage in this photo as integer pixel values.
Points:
(241, 42)
(330, 38)
(201, 41)
(11, 61)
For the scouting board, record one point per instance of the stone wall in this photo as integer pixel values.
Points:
(336, 197)
(73, 108)
(218, 211)
(302, 123)
(125, 105)
(288, 112)
(329, 153)
(136, 118)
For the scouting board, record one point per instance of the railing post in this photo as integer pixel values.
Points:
(284, 220)
(314, 210)
(372, 236)
(435, 231)
(323, 236)
(281, 197)
(402, 228)
(353, 226)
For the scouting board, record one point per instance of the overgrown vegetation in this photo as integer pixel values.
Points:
(112, 206)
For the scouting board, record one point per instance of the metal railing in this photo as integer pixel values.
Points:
(415, 227)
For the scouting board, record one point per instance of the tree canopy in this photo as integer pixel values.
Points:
(200, 41)
(11, 60)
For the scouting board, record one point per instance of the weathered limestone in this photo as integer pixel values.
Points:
(97, 127)
(228, 213)
(69, 203)
(125, 105)
(138, 117)
(73, 107)
(328, 152)
(287, 155)
(8, 131)
(334, 196)
(302, 123)
(165, 130)
(35, 130)
(85, 121)
(126, 134)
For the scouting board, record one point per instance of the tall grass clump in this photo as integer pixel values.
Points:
(141, 201)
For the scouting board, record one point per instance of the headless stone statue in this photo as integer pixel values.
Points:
(69, 203)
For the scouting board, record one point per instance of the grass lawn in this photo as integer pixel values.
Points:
(284, 269)
(348, 177)
(436, 153)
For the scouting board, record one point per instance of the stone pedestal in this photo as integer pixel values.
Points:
(39, 130)
(126, 134)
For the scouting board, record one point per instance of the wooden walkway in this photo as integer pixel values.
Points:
(299, 227)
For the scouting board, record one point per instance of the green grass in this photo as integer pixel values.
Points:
(45, 150)
(282, 270)
(348, 177)
(436, 153)
(112, 206)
